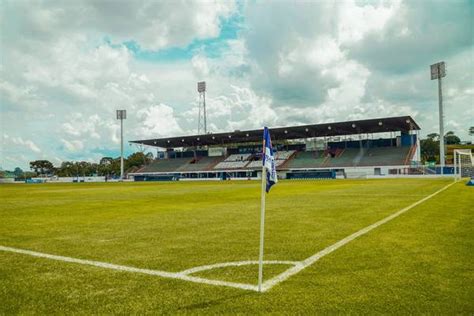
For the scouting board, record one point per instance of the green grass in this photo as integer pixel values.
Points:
(421, 262)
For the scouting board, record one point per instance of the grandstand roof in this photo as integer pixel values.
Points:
(380, 125)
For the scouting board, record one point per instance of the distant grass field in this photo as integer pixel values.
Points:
(420, 262)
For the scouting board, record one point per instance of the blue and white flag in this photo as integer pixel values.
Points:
(268, 159)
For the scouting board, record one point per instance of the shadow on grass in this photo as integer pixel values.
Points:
(214, 302)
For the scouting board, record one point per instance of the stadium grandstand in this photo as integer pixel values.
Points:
(340, 149)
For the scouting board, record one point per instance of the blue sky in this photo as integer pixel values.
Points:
(66, 66)
(211, 47)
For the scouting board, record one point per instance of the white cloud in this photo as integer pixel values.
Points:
(12, 140)
(73, 145)
(18, 151)
(200, 66)
(152, 24)
(27, 143)
(241, 109)
(157, 121)
(354, 21)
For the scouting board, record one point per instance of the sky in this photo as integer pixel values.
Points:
(66, 66)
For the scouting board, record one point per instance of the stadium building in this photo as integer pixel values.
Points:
(343, 149)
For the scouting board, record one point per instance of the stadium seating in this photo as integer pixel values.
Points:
(231, 165)
(200, 164)
(234, 161)
(284, 155)
(238, 157)
(348, 158)
(333, 158)
(307, 159)
(255, 164)
(280, 159)
(166, 165)
(385, 156)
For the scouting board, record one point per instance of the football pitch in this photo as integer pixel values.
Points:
(397, 246)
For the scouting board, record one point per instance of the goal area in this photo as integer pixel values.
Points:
(463, 164)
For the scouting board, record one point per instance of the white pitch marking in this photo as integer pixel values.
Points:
(310, 260)
(235, 264)
(164, 274)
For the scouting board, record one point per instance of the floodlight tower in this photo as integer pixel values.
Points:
(438, 71)
(121, 115)
(202, 117)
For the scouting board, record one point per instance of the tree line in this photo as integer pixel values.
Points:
(429, 146)
(107, 166)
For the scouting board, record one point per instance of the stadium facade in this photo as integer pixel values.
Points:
(340, 149)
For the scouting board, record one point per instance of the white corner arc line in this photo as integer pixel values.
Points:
(311, 260)
(236, 264)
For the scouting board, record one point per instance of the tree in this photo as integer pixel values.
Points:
(109, 166)
(429, 149)
(105, 166)
(451, 139)
(43, 167)
(26, 175)
(138, 159)
(106, 161)
(433, 136)
(471, 131)
(115, 166)
(66, 169)
(18, 172)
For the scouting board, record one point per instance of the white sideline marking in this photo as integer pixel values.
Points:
(267, 285)
(310, 260)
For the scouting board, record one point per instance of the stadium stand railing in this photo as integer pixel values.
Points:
(231, 165)
(410, 154)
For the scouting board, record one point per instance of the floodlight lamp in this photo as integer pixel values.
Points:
(329, 127)
(201, 86)
(438, 70)
(380, 123)
(353, 125)
(121, 114)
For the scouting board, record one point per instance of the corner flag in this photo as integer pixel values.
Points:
(268, 160)
(269, 178)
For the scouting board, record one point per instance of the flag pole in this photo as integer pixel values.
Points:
(262, 228)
